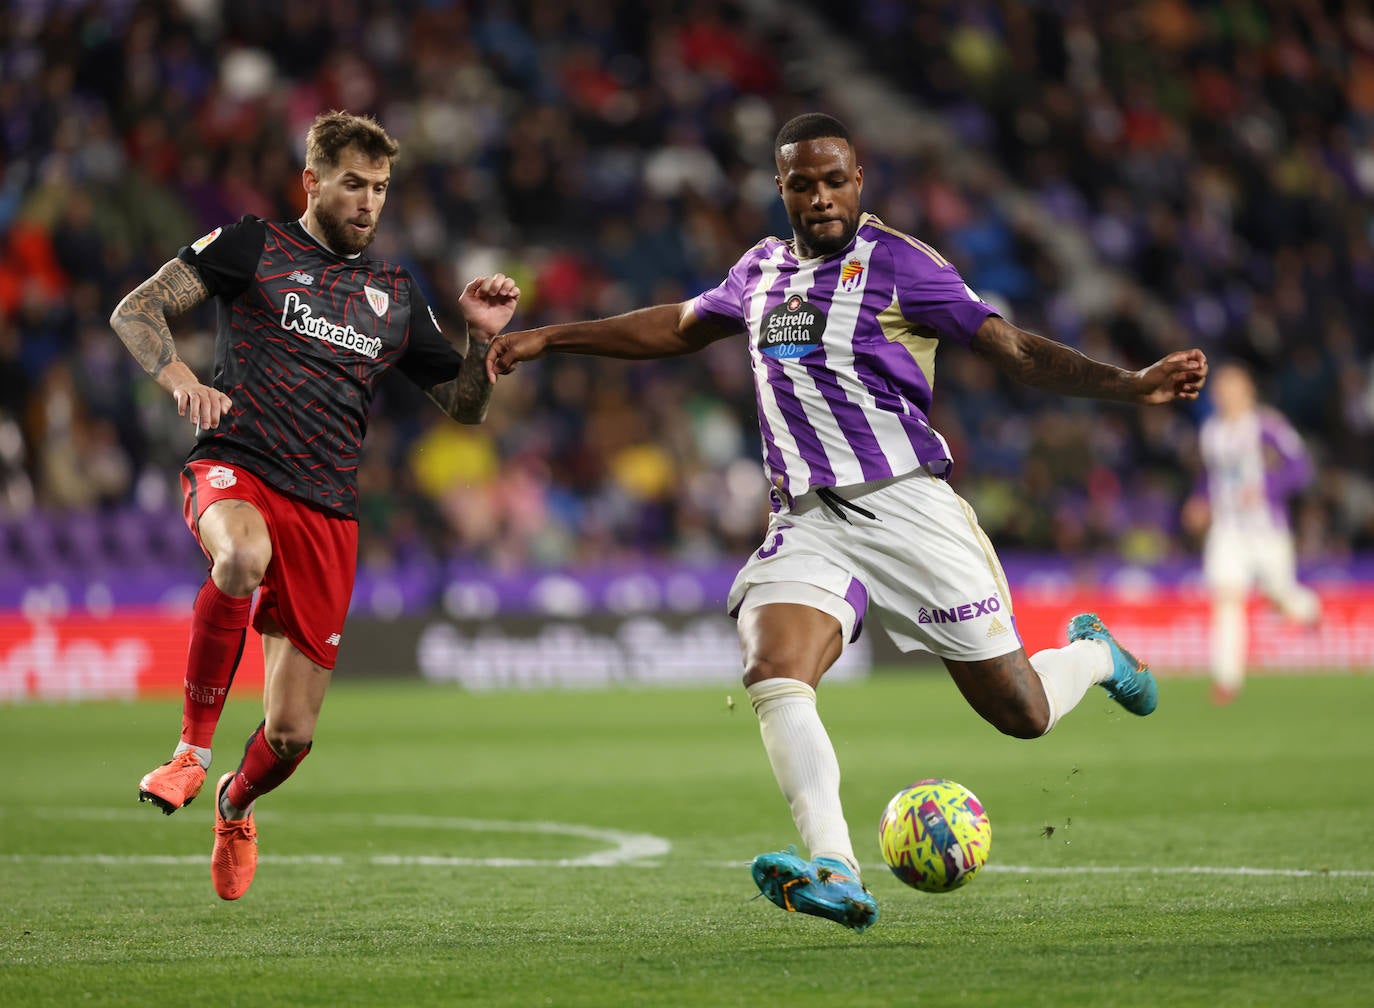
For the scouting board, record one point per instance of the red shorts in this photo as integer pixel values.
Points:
(308, 584)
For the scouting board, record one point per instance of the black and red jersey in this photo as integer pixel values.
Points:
(303, 336)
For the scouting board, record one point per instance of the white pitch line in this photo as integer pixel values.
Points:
(592, 861)
(1176, 870)
(1002, 869)
(332, 860)
(623, 848)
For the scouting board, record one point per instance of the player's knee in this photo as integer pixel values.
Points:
(1021, 720)
(1025, 725)
(757, 669)
(239, 568)
(1007, 694)
(286, 740)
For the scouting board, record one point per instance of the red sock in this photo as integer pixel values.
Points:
(219, 626)
(261, 771)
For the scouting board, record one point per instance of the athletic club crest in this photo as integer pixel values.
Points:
(850, 275)
(377, 299)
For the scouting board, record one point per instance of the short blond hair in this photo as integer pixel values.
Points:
(333, 131)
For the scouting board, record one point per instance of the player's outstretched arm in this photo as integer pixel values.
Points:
(1045, 364)
(669, 330)
(467, 396)
(141, 321)
(487, 303)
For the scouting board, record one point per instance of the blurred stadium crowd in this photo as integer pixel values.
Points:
(1129, 178)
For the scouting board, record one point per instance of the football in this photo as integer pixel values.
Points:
(935, 835)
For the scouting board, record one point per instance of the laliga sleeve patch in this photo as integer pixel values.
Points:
(198, 246)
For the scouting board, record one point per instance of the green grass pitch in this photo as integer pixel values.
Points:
(397, 863)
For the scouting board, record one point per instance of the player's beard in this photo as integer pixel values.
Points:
(340, 235)
(825, 245)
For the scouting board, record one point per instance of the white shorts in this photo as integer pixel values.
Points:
(1241, 559)
(921, 565)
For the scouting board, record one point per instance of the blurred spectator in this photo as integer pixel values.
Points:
(1215, 162)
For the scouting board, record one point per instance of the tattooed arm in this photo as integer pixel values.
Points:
(487, 304)
(141, 320)
(1044, 364)
(467, 396)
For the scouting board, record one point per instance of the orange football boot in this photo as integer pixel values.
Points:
(235, 857)
(173, 784)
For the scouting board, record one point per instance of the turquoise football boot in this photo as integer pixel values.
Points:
(1131, 684)
(824, 887)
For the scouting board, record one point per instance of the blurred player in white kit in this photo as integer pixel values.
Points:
(1253, 461)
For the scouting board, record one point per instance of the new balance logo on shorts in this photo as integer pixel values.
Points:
(960, 613)
(332, 640)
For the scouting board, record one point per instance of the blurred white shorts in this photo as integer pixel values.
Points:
(921, 566)
(1242, 559)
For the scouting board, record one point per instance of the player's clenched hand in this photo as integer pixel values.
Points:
(204, 406)
(489, 302)
(1178, 376)
(509, 349)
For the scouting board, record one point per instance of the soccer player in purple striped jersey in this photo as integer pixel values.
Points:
(842, 324)
(1253, 461)
(308, 324)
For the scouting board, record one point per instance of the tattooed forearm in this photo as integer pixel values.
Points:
(1044, 364)
(467, 396)
(140, 320)
(1058, 368)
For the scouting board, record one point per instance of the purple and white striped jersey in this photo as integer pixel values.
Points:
(1252, 463)
(843, 350)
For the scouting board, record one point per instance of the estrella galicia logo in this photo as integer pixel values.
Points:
(792, 329)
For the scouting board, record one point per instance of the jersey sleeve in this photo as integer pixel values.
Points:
(931, 293)
(1290, 467)
(429, 358)
(724, 303)
(227, 257)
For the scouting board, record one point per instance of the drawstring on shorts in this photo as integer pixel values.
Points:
(838, 505)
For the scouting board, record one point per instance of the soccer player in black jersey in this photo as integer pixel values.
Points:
(307, 324)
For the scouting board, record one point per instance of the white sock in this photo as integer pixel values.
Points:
(202, 753)
(804, 764)
(1229, 634)
(1067, 673)
(1301, 605)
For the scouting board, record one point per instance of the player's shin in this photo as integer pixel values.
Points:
(1229, 643)
(219, 626)
(804, 764)
(261, 771)
(1301, 605)
(1068, 673)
